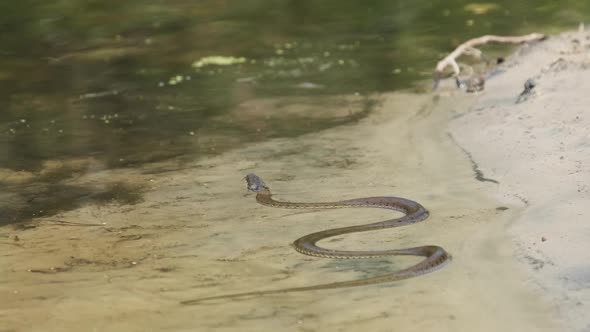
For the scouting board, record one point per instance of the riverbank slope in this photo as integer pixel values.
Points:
(537, 147)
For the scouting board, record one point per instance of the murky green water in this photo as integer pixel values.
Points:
(120, 81)
(115, 78)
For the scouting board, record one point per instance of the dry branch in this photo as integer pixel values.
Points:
(468, 47)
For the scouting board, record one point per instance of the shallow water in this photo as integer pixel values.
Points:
(197, 233)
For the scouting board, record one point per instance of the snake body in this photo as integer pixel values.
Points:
(435, 256)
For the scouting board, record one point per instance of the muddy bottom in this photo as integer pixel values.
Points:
(198, 233)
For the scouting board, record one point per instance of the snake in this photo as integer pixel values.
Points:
(435, 257)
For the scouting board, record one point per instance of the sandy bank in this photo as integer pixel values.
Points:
(538, 149)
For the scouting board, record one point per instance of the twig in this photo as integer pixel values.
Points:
(69, 223)
(468, 47)
(51, 270)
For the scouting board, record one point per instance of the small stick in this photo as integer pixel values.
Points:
(70, 223)
(468, 47)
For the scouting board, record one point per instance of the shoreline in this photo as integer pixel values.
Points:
(537, 146)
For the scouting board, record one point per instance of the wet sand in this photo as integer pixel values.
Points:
(197, 233)
(537, 149)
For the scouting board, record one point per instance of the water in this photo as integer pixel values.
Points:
(117, 82)
(108, 117)
(115, 79)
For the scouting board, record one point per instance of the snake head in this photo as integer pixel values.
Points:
(255, 183)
